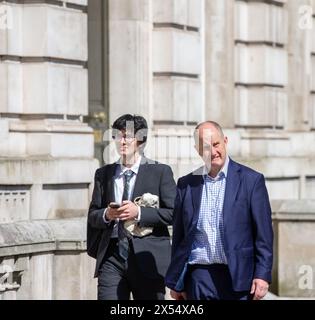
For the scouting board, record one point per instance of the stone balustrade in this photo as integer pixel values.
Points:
(294, 247)
(45, 259)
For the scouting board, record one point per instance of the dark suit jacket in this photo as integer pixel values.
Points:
(248, 235)
(153, 251)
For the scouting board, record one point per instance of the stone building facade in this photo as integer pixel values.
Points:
(69, 68)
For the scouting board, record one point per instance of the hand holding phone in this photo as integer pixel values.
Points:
(112, 214)
(114, 205)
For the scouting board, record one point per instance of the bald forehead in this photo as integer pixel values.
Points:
(207, 130)
(207, 126)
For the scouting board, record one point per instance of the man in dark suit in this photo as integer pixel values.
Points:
(127, 262)
(222, 229)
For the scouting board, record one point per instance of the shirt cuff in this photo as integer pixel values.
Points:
(139, 214)
(104, 217)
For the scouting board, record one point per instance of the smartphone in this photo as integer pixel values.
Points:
(114, 205)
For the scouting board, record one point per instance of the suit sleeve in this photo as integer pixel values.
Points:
(96, 209)
(263, 232)
(178, 244)
(151, 217)
(178, 230)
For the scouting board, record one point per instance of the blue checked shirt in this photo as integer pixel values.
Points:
(208, 246)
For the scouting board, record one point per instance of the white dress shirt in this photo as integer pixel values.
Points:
(119, 186)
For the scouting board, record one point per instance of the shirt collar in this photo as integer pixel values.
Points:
(134, 168)
(226, 166)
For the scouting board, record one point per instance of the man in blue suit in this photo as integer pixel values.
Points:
(222, 228)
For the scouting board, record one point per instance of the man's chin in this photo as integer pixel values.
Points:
(125, 155)
(216, 165)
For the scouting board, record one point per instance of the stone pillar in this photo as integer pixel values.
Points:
(178, 94)
(260, 64)
(299, 63)
(219, 61)
(130, 75)
(312, 96)
(294, 245)
(177, 61)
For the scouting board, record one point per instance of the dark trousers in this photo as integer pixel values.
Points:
(211, 282)
(118, 278)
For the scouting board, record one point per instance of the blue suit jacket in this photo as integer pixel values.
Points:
(248, 235)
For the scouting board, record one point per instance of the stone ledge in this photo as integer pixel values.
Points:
(50, 126)
(42, 236)
(52, 171)
(272, 296)
(187, 12)
(293, 210)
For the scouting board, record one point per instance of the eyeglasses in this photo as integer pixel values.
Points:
(127, 138)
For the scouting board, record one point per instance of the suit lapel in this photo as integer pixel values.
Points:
(139, 182)
(141, 177)
(232, 184)
(110, 190)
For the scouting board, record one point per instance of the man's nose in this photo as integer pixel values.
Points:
(122, 141)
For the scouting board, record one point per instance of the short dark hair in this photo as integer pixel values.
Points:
(139, 125)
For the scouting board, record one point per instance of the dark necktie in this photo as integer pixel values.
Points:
(123, 243)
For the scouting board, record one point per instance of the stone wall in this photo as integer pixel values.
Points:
(252, 63)
(46, 151)
(249, 65)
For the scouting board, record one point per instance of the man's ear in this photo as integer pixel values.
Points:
(226, 140)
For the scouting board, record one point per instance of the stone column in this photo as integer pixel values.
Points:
(294, 262)
(312, 96)
(299, 64)
(219, 61)
(130, 76)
